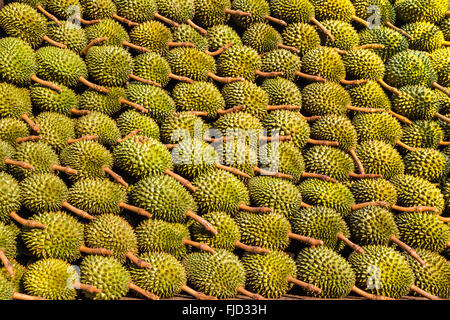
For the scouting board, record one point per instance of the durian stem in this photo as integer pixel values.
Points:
(115, 176)
(198, 245)
(134, 209)
(367, 295)
(358, 206)
(361, 21)
(370, 46)
(93, 43)
(446, 43)
(96, 251)
(341, 52)
(367, 110)
(444, 143)
(124, 20)
(388, 87)
(87, 22)
(232, 170)
(309, 77)
(143, 80)
(311, 118)
(140, 263)
(79, 112)
(323, 142)
(135, 47)
(170, 145)
(223, 79)
(353, 82)
(423, 293)
(275, 138)
(221, 139)
(8, 266)
(272, 74)
(172, 44)
(47, 84)
(322, 27)
(25, 222)
(349, 243)
(443, 219)
(21, 296)
(128, 136)
(83, 138)
(290, 48)
(237, 12)
(403, 145)
(400, 117)
(304, 285)
(145, 293)
(447, 14)
(93, 86)
(283, 107)
(180, 78)
(311, 241)
(54, 43)
(249, 294)
(48, 15)
(30, 122)
(86, 287)
(407, 248)
(251, 249)
(401, 31)
(441, 88)
(365, 175)
(208, 226)
(219, 51)
(318, 176)
(136, 106)
(196, 294)
(196, 27)
(180, 179)
(275, 20)
(305, 205)
(21, 164)
(78, 212)
(264, 172)
(229, 110)
(67, 170)
(442, 117)
(357, 161)
(245, 207)
(414, 209)
(165, 19)
(198, 113)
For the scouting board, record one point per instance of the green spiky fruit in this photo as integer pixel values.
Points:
(363, 64)
(219, 275)
(152, 35)
(56, 129)
(6, 152)
(281, 60)
(377, 126)
(369, 95)
(382, 270)
(333, 10)
(70, 34)
(416, 102)
(282, 91)
(393, 41)
(209, 13)
(64, 9)
(292, 11)
(428, 164)
(108, 104)
(422, 134)
(441, 63)
(181, 125)
(335, 128)
(15, 101)
(302, 36)
(98, 9)
(329, 161)
(239, 124)
(444, 25)
(46, 99)
(131, 120)
(6, 289)
(8, 241)
(427, 36)
(10, 199)
(327, 270)
(136, 10)
(420, 10)
(365, 9)
(186, 33)
(191, 63)
(109, 28)
(11, 129)
(239, 61)
(18, 61)
(19, 270)
(152, 66)
(176, 10)
(288, 123)
(345, 36)
(325, 98)
(221, 35)
(259, 9)
(366, 190)
(97, 123)
(261, 37)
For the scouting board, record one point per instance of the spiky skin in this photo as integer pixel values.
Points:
(18, 62)
(282, 60)
(393, 41)
(364, 9)
(258, 8)
(15, 101)
(11, 129)
(157, 193)
(132, 120)
(292, 11)
(55, 129)
(327, 270)
(8, 241)
(70, 34)
(186, 33)
(6, 152)
(441, 63)
(324, 61)
(427, 36)
(335, 128)
(111, 232)
(444, 25)
(366, 190)
(98, 9)
(333, 9)
(239, 61)
(377, 126)
(430, 11)
(165, 279)
(363, 64)
(178, 11)
(152, 35)
(64, 9)
(109, 28)
(108, 104)
(97, 123)
(345, 35)
(329, 161)
(106, 274)
(423, 134)
(218, 274)
(302, 36)
(325, 98)
(382, 270)
(287, 123)
(323, 193)
(320, 223)
(209, 13)
(6, 289)
(51, 279)
(261, 37)
(240, 125)
(10, 199)
(220, 35)
(46, 99)
(282, 91)
(428, 164)
(155, 235)
(248, 94)
(191, 63)
(137, 10)
(16, 281)
(152, 66)
(369, 95)
(267, 274)
(416, 102)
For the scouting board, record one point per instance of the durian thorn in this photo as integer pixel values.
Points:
(86, 287)
(78, 212)
(312, 118)
(437, 86)
(232, 170)
(219, 51)
(414, 209)
(442, 117)
(135, 209)
(172, 44)
(361, 21)
(25, 222)
(264, 172)
(224, 79)
(140, 263)
(83, 138)
(145, 293)
(165, 20)
(401, 31)
(239, 13)
(444, 143)
(208, 226)
(198, 245)
(443, 219)
(245, 207)
(47, 84)
(305, 205)
(21, 296)
(251, 249)
(283, 107)
(274, 138)
(358, 206)
(79, 112)
(170, 145)
(249, 294)
(356, 160)
(96, 251)
(29, 138)
(349, 243)
(364, 175)
(370, 46)
(196, 294)
(407, 248)
(388, 87)
(322, 27)
(143, 80)
(229, 110)
(353, 82)
(93, 43)
(275, 20)
(48, 15)
(196, 27)
(423, 293)
(318, 176)
(311, 241)
(54, 43)
(93, 86)
(87, 22)
(180, 78)
(135, 106)
(180, 179)
(115, 176)
(403, 145)
(67, 170)
(30, 123)
(272, 74)
(290, 48)
(124, 20)
(367, 295)
(446, 43)
(367, 110)
(400, 117)
(135, 47)
(21, 164)
(309, 77)
(8, 266)
(304, 285)
(323, 142)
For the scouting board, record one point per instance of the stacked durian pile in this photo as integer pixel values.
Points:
(217, 148)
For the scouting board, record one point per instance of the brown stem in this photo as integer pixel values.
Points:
(97, 251)
(8, 266)
(78, 212)
(86, 287)
(305, 205)
(196, 294)
(83, 138)
(272, 74)
(370, 46)
(25, 222)
(93, 43)
(401, 31)
(87, 22)
(367, 295)
(278, 138)
(135, 47)
(312, 118)
(245, 207)
(249, 294)
(21, 164)
(180, 78)
(311, 241)
(134, 209)
(423, 293)
(318, 176)
(441, 88)
(78, 112)
(180, 179)
(219, 51)
(361, 21)
(304, 285)
(443, 219)
(165, 20)
(357, 161)
(30, 123)
(124, 20)
(251, 249)
(128, 136)
(234, 109)
(353, 82)
(48, 15)
(444, 143)
(349, 243)
(221, 139)
(365, 175)
(388, 87)
(140, 263)
(196, 27)
(224, 79)
(369, 203)
(232, 170)
(143, 80)
(47, 84)
(407, 248)
(414, 209)
(290, 48)
(136, 106)
(322, 27)
(93, 86)
(309, 77)
(208, 226)
(340, 51)
(275, 20)
(115, 176)
(21, 296)
(54, 43)
(264, 172)
(170, 145)
(172, 44)
(283, 107)
(403, 145)
(400, 117)
(323, 142)
(442, 117)
(198, 245)
(143, 292)
(237, 12)
(367, 110)
(67, 170)
(445, 43)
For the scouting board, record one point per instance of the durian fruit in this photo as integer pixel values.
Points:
(140, 11)
(6, 154)
(444, 25)
(186, 33)
(420, 10)
(423, 134)
(345, 36)
(209, 13)
(282, 92)
(426, 36)
(114, 233)
(62, 238)
(100, 125)
(220, 275)
(6, 289)
(110, 277)
(273, 274)
(336, 10)
(180, 11)
(441, 62)
(428, 164)
(68, 33)
(8, 248)
(301, 36)
(13, 130)
(102, 9)
(264, 38)
(376, 12)
(64, 102)
(40, 6)
(16, 280)
(256, 11)
(179, 126)
(393, 41)
(54, 279)
(131, 120)
(220, 35)
(64, 9)
(371, 96)
(241, 125)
